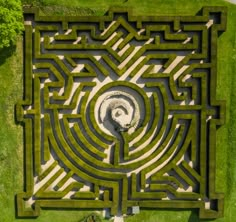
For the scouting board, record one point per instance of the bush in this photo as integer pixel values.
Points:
(11, 21)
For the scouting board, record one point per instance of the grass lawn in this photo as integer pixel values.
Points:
(11, 135)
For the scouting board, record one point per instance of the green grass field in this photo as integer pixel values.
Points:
(11, 135)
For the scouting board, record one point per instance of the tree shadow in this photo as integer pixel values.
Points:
(194, 217)
(6, 52)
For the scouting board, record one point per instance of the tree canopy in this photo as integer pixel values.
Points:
(11, 21)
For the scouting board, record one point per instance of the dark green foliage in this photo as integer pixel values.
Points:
(91, 218)
(11, 21)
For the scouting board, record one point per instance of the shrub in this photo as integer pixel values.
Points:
(11, 21)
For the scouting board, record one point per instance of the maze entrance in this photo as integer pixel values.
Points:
(120, 113)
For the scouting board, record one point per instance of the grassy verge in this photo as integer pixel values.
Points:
(10, 134)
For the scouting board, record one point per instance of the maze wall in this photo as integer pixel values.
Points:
(119, 112)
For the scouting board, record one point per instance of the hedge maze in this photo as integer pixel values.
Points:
(120, 113)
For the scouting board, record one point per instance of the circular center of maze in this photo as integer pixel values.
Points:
(118, 107)
(119, 111)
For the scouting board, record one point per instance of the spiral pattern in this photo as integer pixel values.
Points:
(119, 111)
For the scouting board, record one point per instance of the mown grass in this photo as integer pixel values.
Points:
(10, 133)
(11, 73)
(140, 6)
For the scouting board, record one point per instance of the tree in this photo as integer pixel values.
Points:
(11, 21)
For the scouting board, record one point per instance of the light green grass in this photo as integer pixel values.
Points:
(147, 7)
(10, 134)
(11, 144)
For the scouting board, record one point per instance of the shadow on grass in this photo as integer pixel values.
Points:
(194, 217)
(93, 217)
(6, 53)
